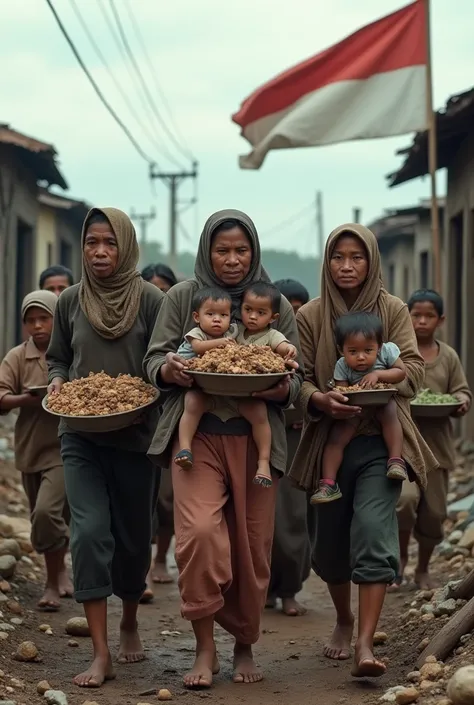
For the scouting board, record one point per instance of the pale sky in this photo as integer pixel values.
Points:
(209, 55)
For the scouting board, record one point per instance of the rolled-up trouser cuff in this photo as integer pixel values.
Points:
(101, 593)
(192, 612)
(374, 576)
(60, 544)
(130, 596)
(427, 541)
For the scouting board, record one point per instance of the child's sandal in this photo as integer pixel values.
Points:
(397, 469)
(262, 480)
(184, 459)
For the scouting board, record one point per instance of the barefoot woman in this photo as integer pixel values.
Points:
(223, 522)
(105, 323)
(355, 539)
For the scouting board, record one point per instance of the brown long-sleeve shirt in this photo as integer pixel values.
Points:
(444, 375)
(36, 431)
(76, 349)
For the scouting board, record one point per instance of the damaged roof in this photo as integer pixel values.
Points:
(38, 156)
(453, 123)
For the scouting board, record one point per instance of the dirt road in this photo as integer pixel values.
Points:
(289, 652)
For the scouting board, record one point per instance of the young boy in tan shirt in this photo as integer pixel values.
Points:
(37, 453)
(424, 512)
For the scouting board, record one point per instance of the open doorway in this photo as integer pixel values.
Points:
(24, 271)
(65, 254)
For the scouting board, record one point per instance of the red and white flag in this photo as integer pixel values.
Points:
(372, 84)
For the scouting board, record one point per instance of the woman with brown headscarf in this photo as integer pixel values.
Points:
(355, 539)
(223, 521)
(104, 324)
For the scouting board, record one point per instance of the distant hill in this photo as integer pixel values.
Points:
(279, 265)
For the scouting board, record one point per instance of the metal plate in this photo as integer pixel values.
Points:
(369, 397)
(104, 423)
(433, 410)
(38, 391)
(225, 385)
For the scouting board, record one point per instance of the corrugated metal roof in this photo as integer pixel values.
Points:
(54, 200)
(36, 155)
(452, 124)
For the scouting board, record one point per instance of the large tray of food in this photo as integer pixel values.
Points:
(100, 403)
(237, 370)
(430, 404)
(380, 395)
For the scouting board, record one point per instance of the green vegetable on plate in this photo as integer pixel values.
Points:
(427, 397)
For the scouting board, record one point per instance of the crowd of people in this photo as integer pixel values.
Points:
(256, 492)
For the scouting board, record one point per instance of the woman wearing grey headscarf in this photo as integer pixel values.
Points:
(223, 522)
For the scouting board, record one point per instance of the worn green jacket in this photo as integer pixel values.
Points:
(173, 322)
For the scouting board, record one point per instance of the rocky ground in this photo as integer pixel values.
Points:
(38, 657)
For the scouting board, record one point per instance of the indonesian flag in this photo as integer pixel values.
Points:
(372, 84)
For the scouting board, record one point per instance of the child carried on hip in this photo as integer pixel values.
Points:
(212, 309)
(366, 361)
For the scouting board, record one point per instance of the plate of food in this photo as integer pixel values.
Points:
(238, 370)
(433, 405)
(358, 396)
(38, 391)
(100, 403)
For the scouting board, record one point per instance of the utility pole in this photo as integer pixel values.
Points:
(143, 219)
(320, 228)
(356, 212)
(173, 180)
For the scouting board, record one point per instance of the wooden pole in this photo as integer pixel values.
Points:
(432, 158)
(320, 228)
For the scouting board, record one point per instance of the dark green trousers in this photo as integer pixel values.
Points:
(111, 495)
(356, 537)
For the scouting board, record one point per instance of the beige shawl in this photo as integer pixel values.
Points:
(111, 305)
(316, 329)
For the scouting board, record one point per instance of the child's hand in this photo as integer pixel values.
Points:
(369, 381)
(466, 404)
(225, 342)
(291, 352)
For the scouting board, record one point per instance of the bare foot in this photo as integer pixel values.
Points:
(50, 602)
(245, 668)
(424, 581)
(159, 573)
(205, 666)
(66, 588)
(292, 608)
(99, 671)
(147, 596)
(366, 665)
(131, 649)
(339, 648)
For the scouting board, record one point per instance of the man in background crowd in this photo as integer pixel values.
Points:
(56, 279)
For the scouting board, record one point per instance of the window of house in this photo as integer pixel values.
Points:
(406, 283)
(49, 254)
(424, 270)
(391, 278)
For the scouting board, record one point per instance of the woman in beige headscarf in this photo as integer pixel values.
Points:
(355, 539)
(105, 323)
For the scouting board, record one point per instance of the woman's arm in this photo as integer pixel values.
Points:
(402, 334)
(12, 395)
(59, 355)
(308, 356)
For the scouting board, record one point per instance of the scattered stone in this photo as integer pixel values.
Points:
(413, 677)
(7, 566)
(431, 671)
(16, 683)
(55, 697)
(380, 638)
(444, 701)
(391, 695)
(426, 685)
(427, 595)
(427, 617)
(49, 632)
(10, 547)
(164, 694)
(44, 627)
(6, 627)
(461, 686)
(73, 643)
(407, 696)
(447, 607)
(14, 607)
(3, 636)
(27, 651)
(3, 598)
(77, 626)
(17, 621)
(427, 609)
(467, 539)
(7, 702)
(42, 687)
(455, 536)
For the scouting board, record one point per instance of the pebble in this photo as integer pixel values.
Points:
(55, 697)
(14, 606)
(44, 627)
(16, 683)
(461, 686)
(380, 638)
(447, 607)
(73, 643)
(391, 695)
(164, 694)
(17, 621)
(467, 539)
(413, 677)
(5, 586)
(4, 627)
(42, 687)
(7, 566)
(3, 598)
(27, 560)
(455, 536)
(77, 626)
(431, 671)
(27, 651)
(10, 547)
(7, 702)
(407, 696)
(427, 617)
(427, 609)
(3, 636)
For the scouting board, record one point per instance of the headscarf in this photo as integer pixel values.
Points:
(203, 271)
(45, 300)
(372, 298)
(111, 305)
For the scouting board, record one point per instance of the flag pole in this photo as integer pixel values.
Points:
(432, 157)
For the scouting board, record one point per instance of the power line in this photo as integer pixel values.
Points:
(288, 221)
(102, 58)
(147, 93)
(186, 152)
(102, 98)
